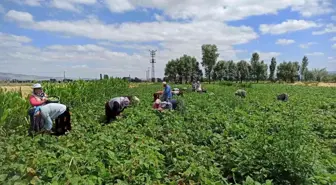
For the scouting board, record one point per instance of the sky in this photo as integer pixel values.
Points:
(87, 37)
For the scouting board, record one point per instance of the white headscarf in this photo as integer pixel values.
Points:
(125, 102)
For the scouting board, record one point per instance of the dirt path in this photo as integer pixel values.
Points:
(326, 84)
(319, 84)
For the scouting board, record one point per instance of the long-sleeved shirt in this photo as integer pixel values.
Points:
(167, 94)
(199, 87)
(36, 100)
(51, 111)
(122, 103)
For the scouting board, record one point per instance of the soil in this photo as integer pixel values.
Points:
(319, 84)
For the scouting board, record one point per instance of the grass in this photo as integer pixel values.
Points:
(217, 138)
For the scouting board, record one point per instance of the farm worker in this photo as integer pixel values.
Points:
(115, 106)
(38, 97)
(157, 95)
(177, 92)
(167, 94)
(241, 93)
(282, 97)
(52, 111)
(194, 86)
(164, 105)
(198, 86)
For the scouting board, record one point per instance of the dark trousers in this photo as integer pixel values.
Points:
(110, 114)
(36, 124)
(63, 122)
(174, 104)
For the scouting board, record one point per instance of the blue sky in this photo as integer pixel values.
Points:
(89, 37)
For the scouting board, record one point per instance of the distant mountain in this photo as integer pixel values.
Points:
(11, 76)
(332, 72)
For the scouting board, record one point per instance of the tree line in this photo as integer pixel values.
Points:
(187, 69)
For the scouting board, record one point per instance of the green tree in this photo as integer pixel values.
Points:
(209, 58)
(243, 70)
(262, 71)
(184, 68)
(189, 67)
(220, 70)
(320, 74)
(258, 69)
(106, 76)
(272, 68)
(254, 65)
(232, 70)
(304, 66)
(308, 76)
(171, 70)
(288, 71)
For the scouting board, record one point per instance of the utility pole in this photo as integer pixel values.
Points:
(152, 53)
(147, 74)
(64, 76)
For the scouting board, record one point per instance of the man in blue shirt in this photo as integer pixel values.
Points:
(167, 94)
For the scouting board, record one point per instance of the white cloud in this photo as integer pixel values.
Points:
(331, 60)
(334, 46)
(13, 38)
(28, 2)
(80, 66)
(307, 45)
(119, 5)
(267, 56)
(330, 28)
(333, 18)
(205, 24)
(17, 57)
(174, 38)
(315, 54)
(286, 27)
(33, 2)
(222, 10)
(22, 17)
(2, 9)
(314, 7)
(201, 32)
(333, 39)
(143, 47)
(159, 17)
(284, 41)
(71, 5)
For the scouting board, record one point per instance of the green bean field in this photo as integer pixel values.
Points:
(212, 138)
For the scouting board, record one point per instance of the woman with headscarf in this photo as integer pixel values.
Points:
(115, 106)
(165, 105)
(38, 97)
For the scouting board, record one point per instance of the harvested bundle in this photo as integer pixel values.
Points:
(241, 93)
(282, 97)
